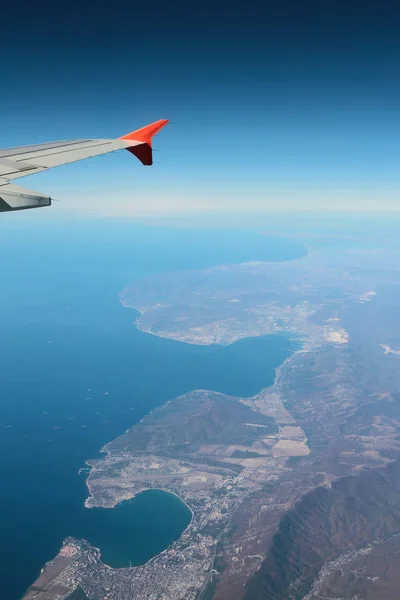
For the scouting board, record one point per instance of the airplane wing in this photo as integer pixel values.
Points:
(27, 160)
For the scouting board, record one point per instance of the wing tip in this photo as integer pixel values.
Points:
(144, 138)
(145, 134)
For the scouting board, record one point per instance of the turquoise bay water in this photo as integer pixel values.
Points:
(133, 532)
(75, 373)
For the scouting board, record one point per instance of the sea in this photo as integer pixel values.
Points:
(75, 373)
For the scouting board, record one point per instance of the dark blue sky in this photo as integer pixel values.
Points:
(279, 104)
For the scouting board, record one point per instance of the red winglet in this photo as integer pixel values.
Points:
(145, 135)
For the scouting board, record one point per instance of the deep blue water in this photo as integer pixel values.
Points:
(75, 373)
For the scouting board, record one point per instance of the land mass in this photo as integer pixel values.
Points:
(295, 491)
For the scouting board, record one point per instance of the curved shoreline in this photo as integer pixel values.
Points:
(98, 549)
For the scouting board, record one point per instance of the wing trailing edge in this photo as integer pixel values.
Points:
(13, 197)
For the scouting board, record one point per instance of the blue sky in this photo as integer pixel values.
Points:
(273, 106)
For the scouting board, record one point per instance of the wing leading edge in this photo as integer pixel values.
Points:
(27, 160)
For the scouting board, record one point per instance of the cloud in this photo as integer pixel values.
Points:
(200, 199)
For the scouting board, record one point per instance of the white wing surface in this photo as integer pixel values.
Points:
(27, 160)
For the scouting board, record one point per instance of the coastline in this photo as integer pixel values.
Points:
(275, 401)
(307, 336)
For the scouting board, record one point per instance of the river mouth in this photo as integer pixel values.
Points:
(135, 530)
